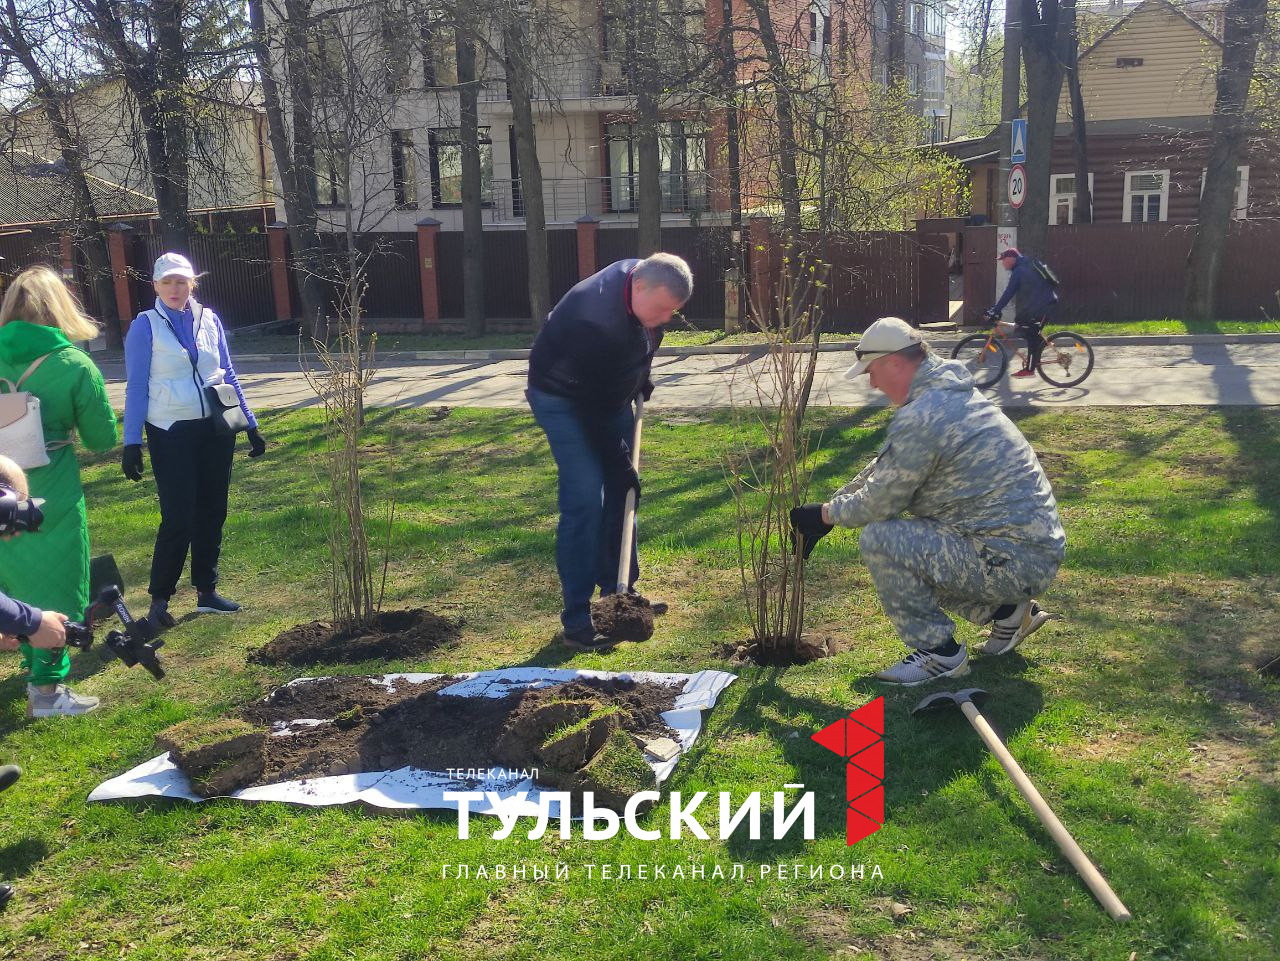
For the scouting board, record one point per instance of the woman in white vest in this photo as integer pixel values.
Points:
(173, 351)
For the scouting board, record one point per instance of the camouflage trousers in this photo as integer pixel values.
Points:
(922, 568)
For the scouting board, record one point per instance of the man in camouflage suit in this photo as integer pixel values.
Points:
(983, 536)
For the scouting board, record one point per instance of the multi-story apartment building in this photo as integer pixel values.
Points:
(925, 55)
(584, 110)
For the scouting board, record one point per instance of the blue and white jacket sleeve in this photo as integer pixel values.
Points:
(137, 369)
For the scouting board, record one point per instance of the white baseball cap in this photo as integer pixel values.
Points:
(169, 264)
(888, 335)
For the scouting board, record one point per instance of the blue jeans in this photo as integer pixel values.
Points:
(589, 533)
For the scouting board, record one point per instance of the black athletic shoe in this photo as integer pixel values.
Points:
(9, 774)
(159, 616)
(6, 895)
(588, 639)
(215, 603)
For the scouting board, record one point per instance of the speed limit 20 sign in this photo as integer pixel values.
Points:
(1017, 186)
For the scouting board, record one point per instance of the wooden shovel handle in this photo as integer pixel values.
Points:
(629, 513)
(1066, 843)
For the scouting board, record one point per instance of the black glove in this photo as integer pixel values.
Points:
(992, 315)
(131, 461)
(807, 525)
(619, 473)
(646, 389)
(257, 446)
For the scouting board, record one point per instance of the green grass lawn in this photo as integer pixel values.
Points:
(1141, 717)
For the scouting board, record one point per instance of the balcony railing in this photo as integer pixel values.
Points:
(567, 199)
(577, 80)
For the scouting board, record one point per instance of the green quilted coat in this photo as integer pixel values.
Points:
(50, 569)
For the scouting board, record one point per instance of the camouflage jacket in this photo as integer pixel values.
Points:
(954, 457)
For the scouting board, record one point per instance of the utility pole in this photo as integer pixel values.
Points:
(1010, 108)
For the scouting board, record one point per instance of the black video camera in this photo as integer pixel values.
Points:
(18, 513)
(136, 644)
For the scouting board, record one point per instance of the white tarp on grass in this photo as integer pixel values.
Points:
(411, 788)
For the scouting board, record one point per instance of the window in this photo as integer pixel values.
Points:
(396, 48)
(1062, 198)
(444, 147)
(882, 75)
(1241, 209)
(330, 184)
(913, 78)
(682, 160)
(439, 56)
(404, 169)
(815, 17)
(926, 20)
(1146, 196)
(327, 62)
(934, 78)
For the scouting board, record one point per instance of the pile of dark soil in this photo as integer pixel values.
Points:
(394, 635)
(585, 735)
(623, 617)
(781, 652)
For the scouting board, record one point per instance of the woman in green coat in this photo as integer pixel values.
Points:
(50, 569)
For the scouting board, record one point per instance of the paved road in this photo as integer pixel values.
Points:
(1149, 375)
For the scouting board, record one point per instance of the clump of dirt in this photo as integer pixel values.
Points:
(781, 652)
(219, 756)
(623, 617)
(392, 636)
(573, 733)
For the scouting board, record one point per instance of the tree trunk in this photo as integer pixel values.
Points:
(1245, 22)
(1047, 32)
(294, 161)
(895, 54)
(519, 84)
(1080, 137)
(171, 95)
(788, 177)
(648, 157)
(472, 211)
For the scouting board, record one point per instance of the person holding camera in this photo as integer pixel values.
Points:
(175, 357)
(40, 321)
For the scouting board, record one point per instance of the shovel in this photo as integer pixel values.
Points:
(623, 616)
(965, 700)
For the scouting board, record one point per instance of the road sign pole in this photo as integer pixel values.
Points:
(1010, 107)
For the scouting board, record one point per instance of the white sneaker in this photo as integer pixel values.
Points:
(63, 700)
(920, 667)
(1008, 632)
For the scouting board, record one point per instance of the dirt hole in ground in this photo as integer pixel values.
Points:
(394, 635)
(585, 735)
(781, 652)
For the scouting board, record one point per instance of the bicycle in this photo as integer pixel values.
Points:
(1067, 358)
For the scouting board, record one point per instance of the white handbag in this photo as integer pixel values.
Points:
(21, 430)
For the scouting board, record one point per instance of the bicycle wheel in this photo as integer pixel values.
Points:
(985, 359)
(1067, 359)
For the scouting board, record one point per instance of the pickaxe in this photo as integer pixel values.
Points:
(967, 700)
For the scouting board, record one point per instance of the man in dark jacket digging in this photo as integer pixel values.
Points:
(588, 363)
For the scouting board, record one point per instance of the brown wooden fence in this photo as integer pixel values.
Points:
(1137, 271)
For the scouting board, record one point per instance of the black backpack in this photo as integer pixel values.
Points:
(1045, 272)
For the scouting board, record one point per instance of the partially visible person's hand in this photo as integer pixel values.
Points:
(131, 461)
(257, 446)
(8, 642)
(808, 525)
(52, 632)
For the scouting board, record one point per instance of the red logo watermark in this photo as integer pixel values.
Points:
(857, 739)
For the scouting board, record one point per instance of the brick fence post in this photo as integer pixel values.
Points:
(760, 260)
(588, 227)
(278, 251)
(119, 236)
(428, 231)
(68, 261)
